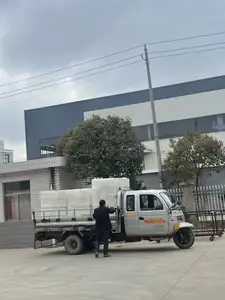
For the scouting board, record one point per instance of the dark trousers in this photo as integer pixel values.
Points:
(102, 235)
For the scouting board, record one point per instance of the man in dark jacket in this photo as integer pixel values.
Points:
(103, 226)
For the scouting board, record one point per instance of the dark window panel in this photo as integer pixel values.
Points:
(48, 146)
(207, 124)
(6, 158)
(214, 123)
(16, 186)
(175, 128)
(142, 133)
(50, 141)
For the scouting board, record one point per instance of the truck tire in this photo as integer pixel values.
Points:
(74, 245)
(184, 238)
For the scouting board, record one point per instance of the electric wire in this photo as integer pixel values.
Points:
(113, 54)
(73, 79)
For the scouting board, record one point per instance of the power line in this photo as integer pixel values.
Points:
(71, 66)
(187, 38)
(188, 52)
(112, 63)
(71, 75)
(73, 79)
(111, 69)
(186, 48)
(112, 54)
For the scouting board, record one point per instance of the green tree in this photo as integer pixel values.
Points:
(103, 148)
(189, 156)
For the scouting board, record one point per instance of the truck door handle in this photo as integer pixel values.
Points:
(141, 218)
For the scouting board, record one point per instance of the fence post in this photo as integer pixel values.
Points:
(189, 202)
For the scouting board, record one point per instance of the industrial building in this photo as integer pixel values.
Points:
(190, 106)
(180, 108)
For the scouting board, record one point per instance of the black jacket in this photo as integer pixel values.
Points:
(102, 219)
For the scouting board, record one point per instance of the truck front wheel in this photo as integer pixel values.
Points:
(184, 238)
(74, 245)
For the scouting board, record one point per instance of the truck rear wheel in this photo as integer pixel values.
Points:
(74, 245)
(184, 238)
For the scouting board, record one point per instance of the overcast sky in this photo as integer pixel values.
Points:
(44, 35)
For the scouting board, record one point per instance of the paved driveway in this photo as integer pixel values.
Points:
(141, 271)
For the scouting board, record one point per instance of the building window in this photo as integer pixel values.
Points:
(15, 186)
(17, 200)
(6, 158)
(175, 128)
(219, 123)
(48, 146)
(143, 132)
(206, 124)
(48, 150)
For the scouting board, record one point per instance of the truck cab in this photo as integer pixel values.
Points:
(149, 213)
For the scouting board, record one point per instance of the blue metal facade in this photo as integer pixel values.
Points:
(52, 122)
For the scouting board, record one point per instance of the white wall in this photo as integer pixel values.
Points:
(178, 108)
(36, 171)
(151, 158)
(39, 181)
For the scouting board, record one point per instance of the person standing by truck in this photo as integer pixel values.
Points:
(103, 227)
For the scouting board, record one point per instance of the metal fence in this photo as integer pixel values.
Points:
(209, 213)
(206, 197)
(177, 192)
(210, 198)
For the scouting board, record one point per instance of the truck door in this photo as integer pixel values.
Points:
(130, 215)
(152, 215)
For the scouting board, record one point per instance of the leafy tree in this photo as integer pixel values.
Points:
(103, 148)
(189, 156)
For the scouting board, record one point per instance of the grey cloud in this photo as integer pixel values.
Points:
(44, 35)
(41, 35)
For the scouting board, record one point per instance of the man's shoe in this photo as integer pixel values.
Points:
(107, 255)
(96, 255)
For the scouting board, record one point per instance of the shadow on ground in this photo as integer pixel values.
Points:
(119, 249)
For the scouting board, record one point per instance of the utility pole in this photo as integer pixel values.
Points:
(154, 120)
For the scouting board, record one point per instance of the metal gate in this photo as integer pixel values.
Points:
(208, 218)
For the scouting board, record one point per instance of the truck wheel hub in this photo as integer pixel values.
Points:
(73, 244)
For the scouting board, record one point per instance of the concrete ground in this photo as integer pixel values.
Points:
(141, 271)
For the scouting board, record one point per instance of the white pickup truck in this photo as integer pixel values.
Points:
(140, 215)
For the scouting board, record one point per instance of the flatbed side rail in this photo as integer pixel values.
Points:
(62, 214)
(65, 215)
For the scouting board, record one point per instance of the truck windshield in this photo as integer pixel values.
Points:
(168, 199)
